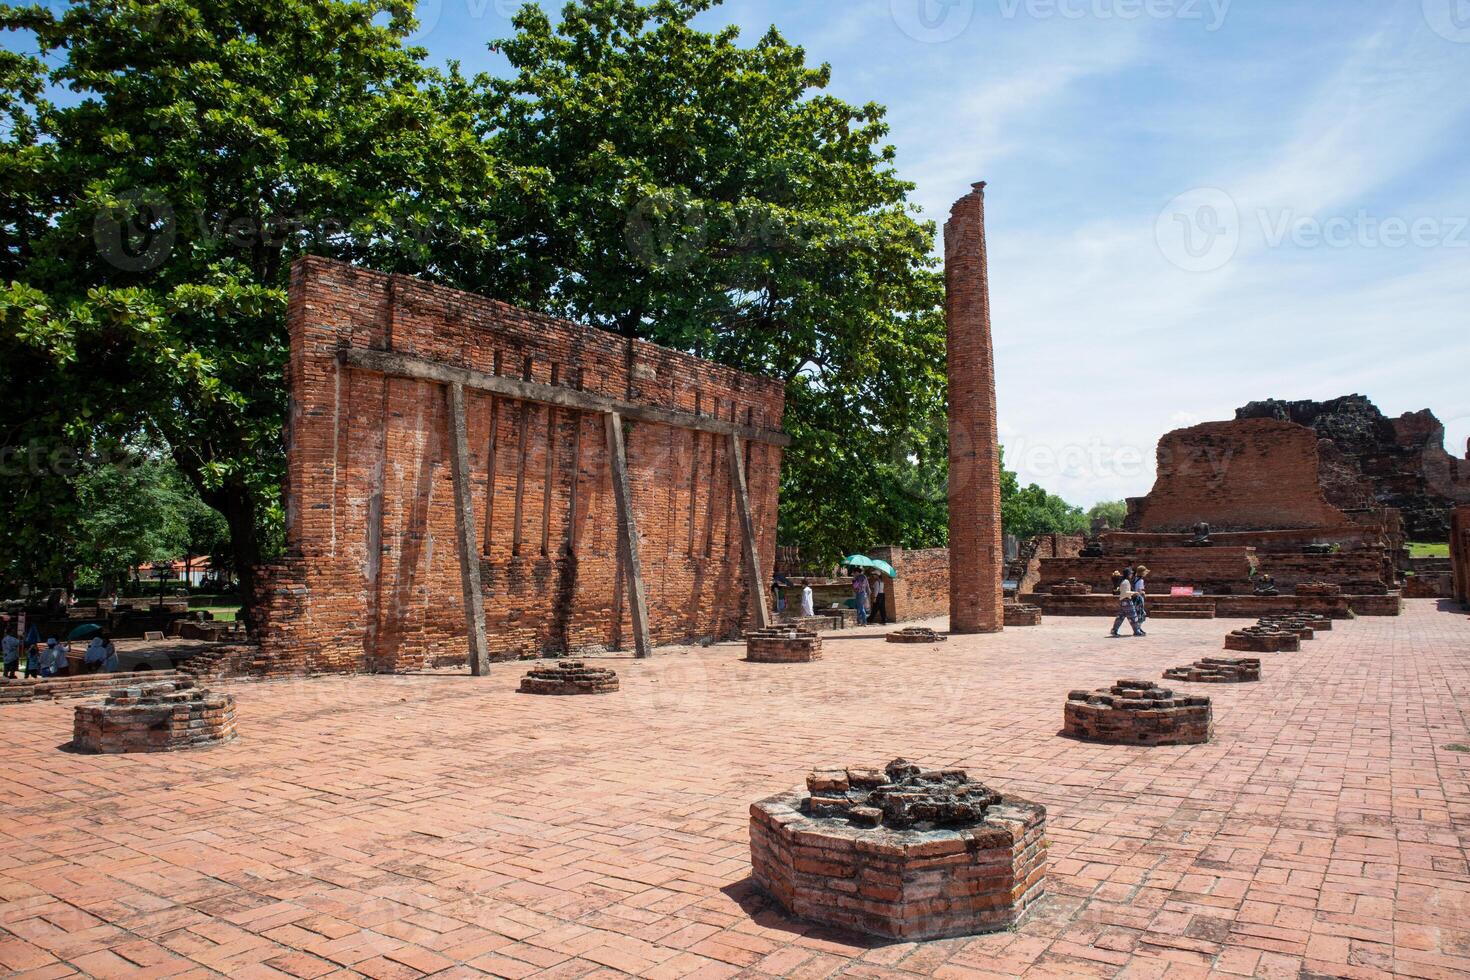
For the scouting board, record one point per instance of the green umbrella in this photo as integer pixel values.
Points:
(84, 632)
(863, 561)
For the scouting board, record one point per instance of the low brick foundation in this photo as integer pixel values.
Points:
(782, 645)
(1022, 614)
(24, 690)
(916, 634)
(164, 717)
(1302, 629)
(1137, 713)
(900, 853)
(1257, 639)
(1071, 587)
(569, 677)
(1212, 670)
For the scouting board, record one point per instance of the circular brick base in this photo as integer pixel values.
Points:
(1137, 713)
(165, 717)
(1212, 670)
(929, 880)
(782, 645)
(916, 634)
(567, 678)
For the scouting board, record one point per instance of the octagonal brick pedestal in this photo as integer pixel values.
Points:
(831, 859)
(1137, 713)
(166, 717)
(568, 678)
(783, 645)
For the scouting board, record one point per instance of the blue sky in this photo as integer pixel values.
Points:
(1192, 203)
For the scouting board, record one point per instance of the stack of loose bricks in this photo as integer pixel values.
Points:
(916, 634)
(1216, 670)
(155, 718)
(1137, 713)
(927, 878)
(783, 645)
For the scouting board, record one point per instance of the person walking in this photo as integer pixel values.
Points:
(1127, 611)
(860, 597)
(1140, 593)
(11, 647)
(880, 596)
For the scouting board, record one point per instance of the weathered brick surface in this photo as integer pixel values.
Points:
(1236, 476)
(167, 717)
(1217, 670)
(373, 581)
(1137, 713)
(1460, 552)
(916, 634)
(20, 690)
(1263, 639)
(921, 590)
(976, 552)
(958, 861)
(1022, 614)
(783, 645)
(569, 677)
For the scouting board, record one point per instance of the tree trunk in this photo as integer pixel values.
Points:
(234, 501)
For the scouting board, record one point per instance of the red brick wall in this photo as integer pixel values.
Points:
(374, 581)
(976, 595)
(1255, 474)
(921, 590)
(1460, 552)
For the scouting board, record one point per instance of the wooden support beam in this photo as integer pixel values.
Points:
(407, 366)
(628, 533)
(466, 538)
(760, 608)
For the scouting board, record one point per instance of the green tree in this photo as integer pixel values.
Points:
(205, 144)
(712, 197)
(1115, 512)
(1031, 510)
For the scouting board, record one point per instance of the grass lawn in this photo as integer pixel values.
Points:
(224, 614)
(1418, 549)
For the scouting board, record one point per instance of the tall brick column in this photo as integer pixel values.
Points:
(975, 551)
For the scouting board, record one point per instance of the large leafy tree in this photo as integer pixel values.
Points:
(712, 197)
(199, 146)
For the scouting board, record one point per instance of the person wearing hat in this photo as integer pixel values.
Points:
(1127, 611)
(1140, 592)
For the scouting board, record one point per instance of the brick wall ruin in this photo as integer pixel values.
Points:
(374, 580)
(921, 590)
(1248, 475)
(1460, 552)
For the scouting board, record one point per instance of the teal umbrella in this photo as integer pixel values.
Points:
(84, 632)
(863, 561)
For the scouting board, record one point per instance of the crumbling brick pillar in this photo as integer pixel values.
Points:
(975, 592)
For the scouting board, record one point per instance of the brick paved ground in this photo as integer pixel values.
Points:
(396, 827)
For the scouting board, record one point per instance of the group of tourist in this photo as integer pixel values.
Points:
(53, 659)
(868, 593)
(1132, 588)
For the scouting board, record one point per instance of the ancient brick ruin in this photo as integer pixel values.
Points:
(567, 678)
(900, 852)
(783, 645)
(23, 690)
(1370, 460)
(1216, 670)
(1263, 639)
(155, 717)
(921, 590)
(1137, 713)
(471, 481)
(1460, 553)
(916, 634)
(975, 550)
(1022, 614)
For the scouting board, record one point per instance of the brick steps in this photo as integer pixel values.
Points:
(88, 685)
